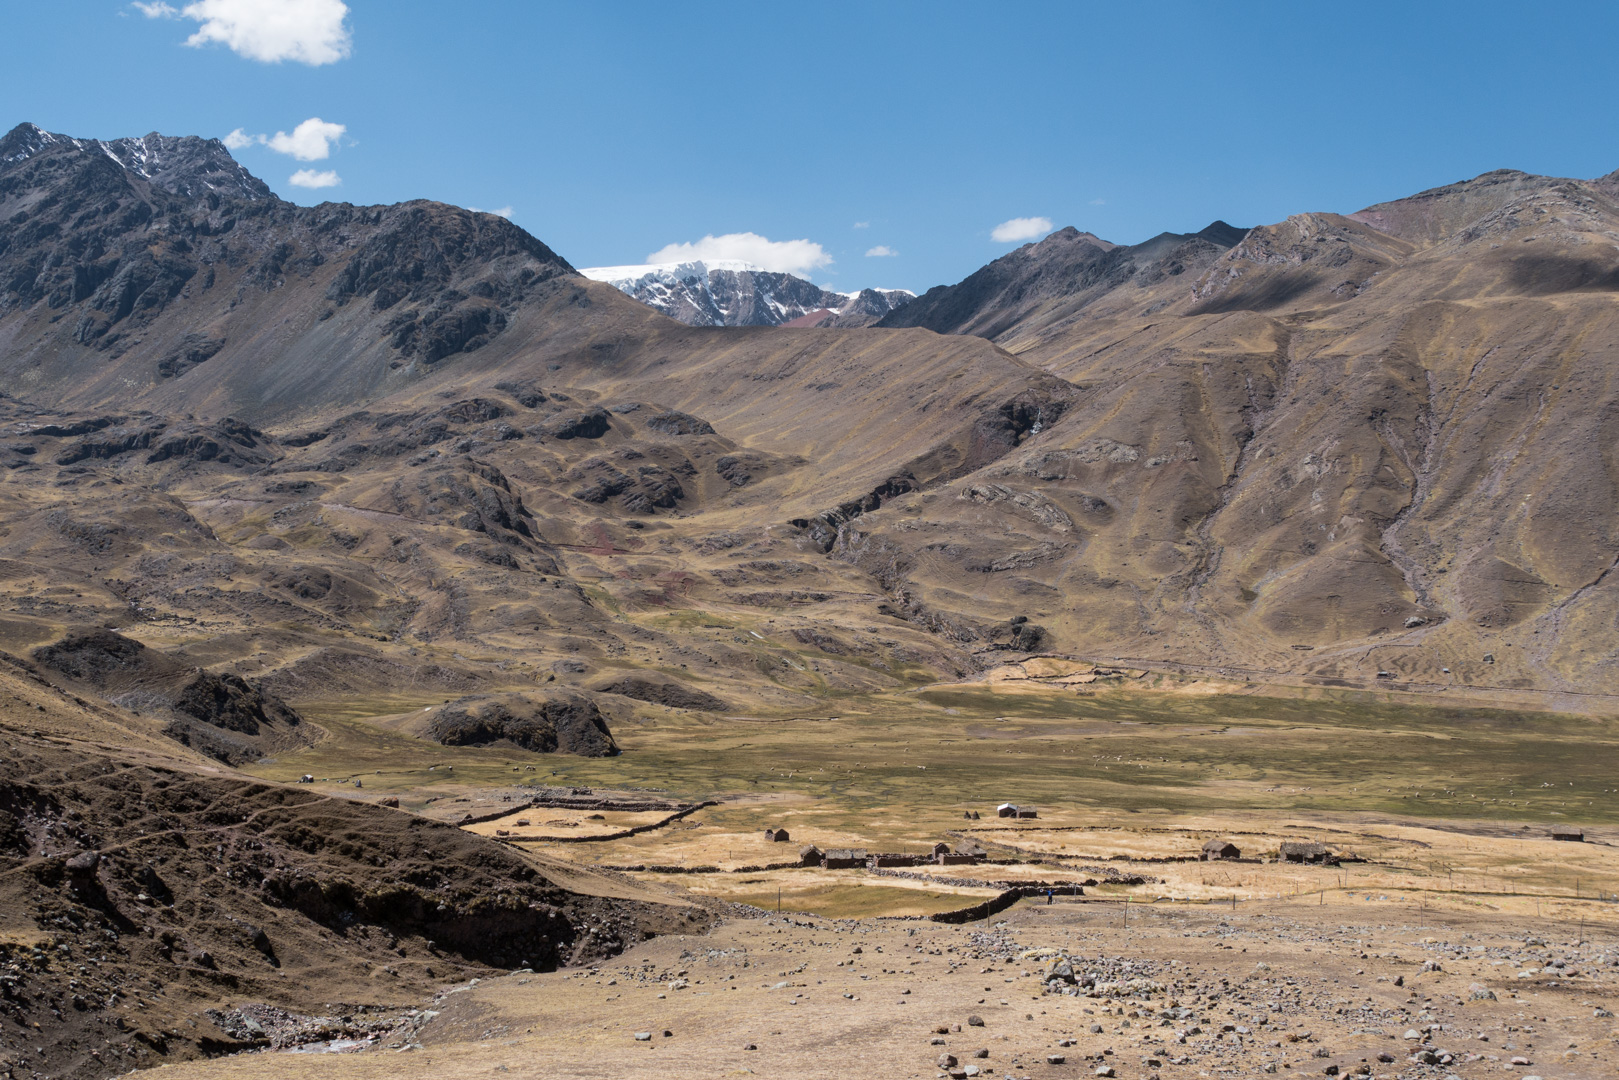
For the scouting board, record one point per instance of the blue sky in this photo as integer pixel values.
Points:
(613, 130)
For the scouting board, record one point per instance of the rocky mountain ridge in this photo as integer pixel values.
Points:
(187, 166)
(1052, 280)
(101, 239)
(1326, 449)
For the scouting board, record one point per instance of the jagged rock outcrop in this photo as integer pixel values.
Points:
(551, 724)
(219, 714)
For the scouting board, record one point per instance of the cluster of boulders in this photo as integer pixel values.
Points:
(1102, 977)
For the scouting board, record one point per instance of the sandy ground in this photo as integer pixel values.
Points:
(1183, 991)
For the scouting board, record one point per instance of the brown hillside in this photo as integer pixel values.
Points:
(420, 451)
(1348, 445)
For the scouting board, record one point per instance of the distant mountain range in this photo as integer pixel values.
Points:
(730, 293)
(1327, 448)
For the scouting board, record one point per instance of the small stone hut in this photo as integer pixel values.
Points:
(810, 855)
(1006, 809)
(957, 858)
(1305, 851)
(1220, 849)
(941, 848)
(844, 858)
(1569, 833)
(778, 836)
(1026, 812)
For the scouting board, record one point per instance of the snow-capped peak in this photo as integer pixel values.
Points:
(668, 271)
(730, 292)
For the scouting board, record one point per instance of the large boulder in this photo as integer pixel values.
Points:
(557, 723)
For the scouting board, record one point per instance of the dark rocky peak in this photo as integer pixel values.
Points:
(111, 236)
(1220, 233)
(1065, 239)
(23, 142)
(991, 300)
(418, 248)
(1217, 235)
(1043, 283)
(187, 166)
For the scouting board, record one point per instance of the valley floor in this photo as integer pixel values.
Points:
(1184, 991)
(1453, 937)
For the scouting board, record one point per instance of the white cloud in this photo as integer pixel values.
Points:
(310, 141)
(862, 224)
(777, 256)
(1098, 202)
(881, 249)
(309, 178)
(504, 211)
(1019, 229)
(311, 32)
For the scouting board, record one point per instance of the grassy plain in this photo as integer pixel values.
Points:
(1445, 804)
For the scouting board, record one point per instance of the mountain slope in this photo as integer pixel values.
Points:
(1324, 448)
(157, 269)
(146, 893)
(1335, 451)
(350, 496)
